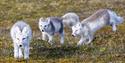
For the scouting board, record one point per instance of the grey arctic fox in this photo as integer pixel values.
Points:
(51, 26)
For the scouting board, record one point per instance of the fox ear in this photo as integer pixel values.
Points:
(40, 20)
(25, 30)
(17, 29)
(48, 19)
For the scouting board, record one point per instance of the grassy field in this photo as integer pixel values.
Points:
(107, 47)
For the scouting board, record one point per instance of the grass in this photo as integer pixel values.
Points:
(107, 46)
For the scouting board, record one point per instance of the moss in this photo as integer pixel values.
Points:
(106, 47)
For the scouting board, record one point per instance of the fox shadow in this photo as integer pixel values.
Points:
(39, 51)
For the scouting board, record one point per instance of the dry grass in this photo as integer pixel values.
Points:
(107, 46)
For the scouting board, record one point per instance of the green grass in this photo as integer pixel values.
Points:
(107, 46)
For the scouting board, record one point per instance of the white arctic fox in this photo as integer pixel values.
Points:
(21, 35)
(49, 27)
(70, 19)
(90, 25)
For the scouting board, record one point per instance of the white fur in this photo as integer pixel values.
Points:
(84, 32)
(47, 35)
(70, 19)
(86, 29)
(21, 38)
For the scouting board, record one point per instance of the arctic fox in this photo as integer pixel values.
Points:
(70, 19)
(49, 27)
(90, 25)
(21, 35)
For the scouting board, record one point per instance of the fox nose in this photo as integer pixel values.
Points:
(73, 35)
(42, 30)
(20, 45)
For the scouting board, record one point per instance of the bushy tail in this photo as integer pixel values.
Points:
(114, 18)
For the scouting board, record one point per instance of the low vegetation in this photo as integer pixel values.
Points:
(107, 46)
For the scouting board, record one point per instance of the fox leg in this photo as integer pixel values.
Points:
(50, 39)
(44, 36)
(62, 38)
(114, 27)
(16, 51)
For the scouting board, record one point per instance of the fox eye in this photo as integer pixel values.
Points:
(17, 38)
(24, 38)
(80, 29)
(45, 26)
(76, 30)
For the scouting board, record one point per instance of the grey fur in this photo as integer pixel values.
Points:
(54, 22)
(50, 26)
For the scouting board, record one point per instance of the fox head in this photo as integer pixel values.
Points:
(44, 24)
(77, 29)
(21, 37)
